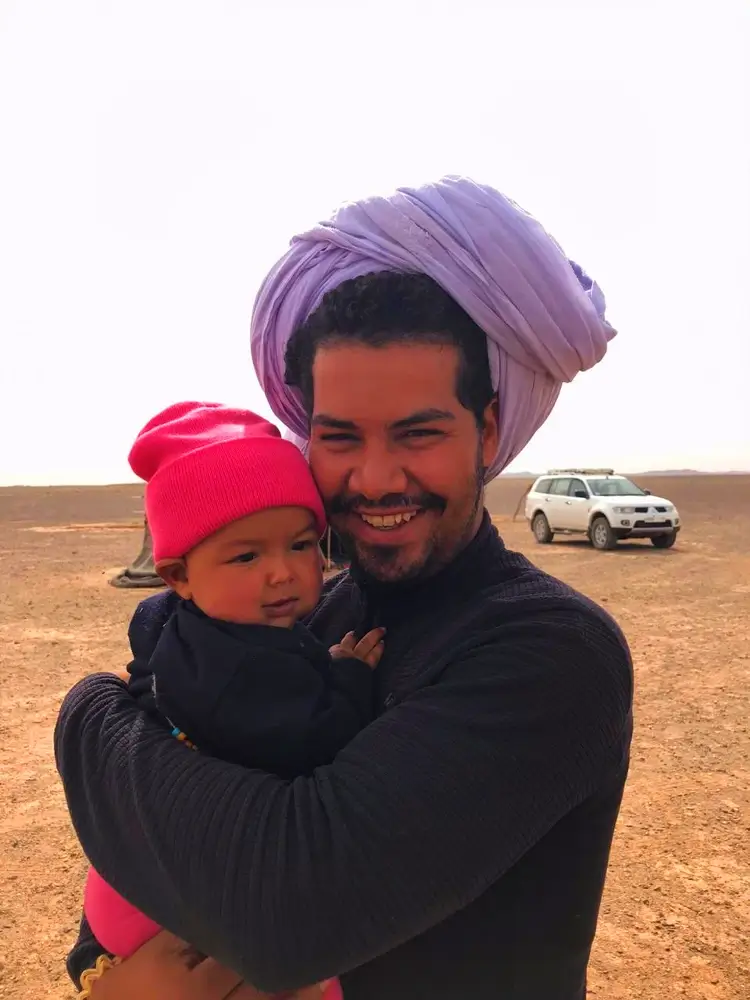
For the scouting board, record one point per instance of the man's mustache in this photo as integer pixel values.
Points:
(343, 504)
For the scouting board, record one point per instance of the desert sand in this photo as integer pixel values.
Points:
(676, 915)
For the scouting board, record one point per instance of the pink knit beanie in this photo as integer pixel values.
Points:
(206, 465)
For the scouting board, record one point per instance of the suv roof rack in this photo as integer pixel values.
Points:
(581, 472)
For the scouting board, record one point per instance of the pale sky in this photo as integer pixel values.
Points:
(156, 157)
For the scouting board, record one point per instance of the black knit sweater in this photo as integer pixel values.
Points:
(255, 695)
(457, 847)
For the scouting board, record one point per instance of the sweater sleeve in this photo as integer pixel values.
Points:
(291, 882)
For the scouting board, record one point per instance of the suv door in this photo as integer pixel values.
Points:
(537, 497)
(557, 512)
(577, 508)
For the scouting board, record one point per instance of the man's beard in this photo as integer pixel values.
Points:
(381, 562)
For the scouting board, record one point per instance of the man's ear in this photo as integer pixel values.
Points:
(174, 573)
(490, 433)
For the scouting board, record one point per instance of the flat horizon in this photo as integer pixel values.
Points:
(503, 475)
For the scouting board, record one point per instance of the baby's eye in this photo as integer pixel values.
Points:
(245, 557)
(303, 545)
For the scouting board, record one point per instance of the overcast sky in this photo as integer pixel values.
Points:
(156, 157)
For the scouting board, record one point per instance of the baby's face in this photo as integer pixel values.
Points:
(265, 569)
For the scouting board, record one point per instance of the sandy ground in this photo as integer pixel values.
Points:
(676, 915)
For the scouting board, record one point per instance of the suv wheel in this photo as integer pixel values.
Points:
(601, 534)
(542, 531)
(664, 541)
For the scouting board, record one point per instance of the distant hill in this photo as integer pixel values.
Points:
(690, 472)
(649, 472)
(676, 472)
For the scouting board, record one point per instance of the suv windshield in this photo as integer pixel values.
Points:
(617, 486)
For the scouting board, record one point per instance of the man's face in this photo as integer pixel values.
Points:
(397, 458)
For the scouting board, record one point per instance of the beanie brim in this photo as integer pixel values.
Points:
(205, 490)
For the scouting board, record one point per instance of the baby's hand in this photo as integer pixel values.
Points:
(369, 649)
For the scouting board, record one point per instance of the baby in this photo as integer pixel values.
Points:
(221, 657)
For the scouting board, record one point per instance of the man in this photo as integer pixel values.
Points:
(458, 846)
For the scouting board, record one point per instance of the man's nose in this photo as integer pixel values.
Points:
(378, 471)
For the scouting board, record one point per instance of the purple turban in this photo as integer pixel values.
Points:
(543, 316)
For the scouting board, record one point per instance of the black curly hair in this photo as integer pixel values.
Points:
(384, 308)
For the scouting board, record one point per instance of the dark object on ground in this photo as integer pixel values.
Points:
(141, 573)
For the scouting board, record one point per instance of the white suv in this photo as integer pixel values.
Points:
(597, 503)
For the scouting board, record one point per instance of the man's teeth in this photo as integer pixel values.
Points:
(387, 521)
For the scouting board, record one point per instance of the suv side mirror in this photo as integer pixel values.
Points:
(581, 494)
(647, 492)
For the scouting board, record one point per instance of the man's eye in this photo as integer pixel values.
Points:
(338, 436)
(245, 557)
(422, 432)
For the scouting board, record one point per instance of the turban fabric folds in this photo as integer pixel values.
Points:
(542, 315)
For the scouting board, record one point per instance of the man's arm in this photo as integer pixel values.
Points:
(161, 969)
(291, 882)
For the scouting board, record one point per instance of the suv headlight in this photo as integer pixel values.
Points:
(624, 510)
(669, 508)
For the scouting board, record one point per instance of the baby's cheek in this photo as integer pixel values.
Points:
(233, 597)
(312, 582)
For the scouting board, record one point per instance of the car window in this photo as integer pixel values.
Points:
(577, 484)
(560, 487)
(615, 486)
(542, 486)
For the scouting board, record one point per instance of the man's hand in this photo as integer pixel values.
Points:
(369, 649)
(159, 969)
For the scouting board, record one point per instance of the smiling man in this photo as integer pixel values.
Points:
(402, 421)
(459, 845)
